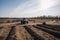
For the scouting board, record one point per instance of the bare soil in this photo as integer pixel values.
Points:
(30, 31)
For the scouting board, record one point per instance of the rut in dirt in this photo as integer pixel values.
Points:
(11, 35)
(33, 34)
(56, 34)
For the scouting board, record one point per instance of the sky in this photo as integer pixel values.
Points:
(29, 8)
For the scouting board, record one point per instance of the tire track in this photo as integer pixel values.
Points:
(43, 34)
(22, 34)
(53, 27)
(52, 32)
(11, 35)
(33, 34)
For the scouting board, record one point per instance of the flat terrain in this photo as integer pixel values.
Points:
(34, 30)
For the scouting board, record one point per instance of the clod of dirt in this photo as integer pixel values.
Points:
(44, 23)
(1, 27)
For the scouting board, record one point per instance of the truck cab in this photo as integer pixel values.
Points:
(24, 21)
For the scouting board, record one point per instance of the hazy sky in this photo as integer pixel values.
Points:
(29, 8)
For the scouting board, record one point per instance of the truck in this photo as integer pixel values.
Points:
(24, 21)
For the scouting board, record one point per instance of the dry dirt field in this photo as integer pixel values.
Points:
(34, 30)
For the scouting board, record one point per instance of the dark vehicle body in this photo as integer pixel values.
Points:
(24, 21)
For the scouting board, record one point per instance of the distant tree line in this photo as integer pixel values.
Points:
(47, 17)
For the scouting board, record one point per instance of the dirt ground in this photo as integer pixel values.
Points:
(22, 34)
